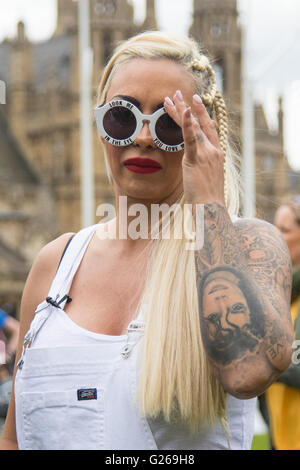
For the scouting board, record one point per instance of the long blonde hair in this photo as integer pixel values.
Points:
(176, 376)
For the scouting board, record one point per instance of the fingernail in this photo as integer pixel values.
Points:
(179, 95)
(169, 101)
(197, 99)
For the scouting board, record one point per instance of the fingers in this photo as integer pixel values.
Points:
(201, 118)
(191, 130)
(208, 126)
(176, 108)
(191, 138)
(172, 111)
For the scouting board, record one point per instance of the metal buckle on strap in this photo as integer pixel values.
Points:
(38, 321)
(126, 350)
(28, 338)
(41, 315)
(133, 327)
(56, 304)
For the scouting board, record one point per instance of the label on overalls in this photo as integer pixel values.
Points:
(87, 394)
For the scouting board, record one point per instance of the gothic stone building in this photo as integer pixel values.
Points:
(42, 121)
(27, 215)
(216, 27)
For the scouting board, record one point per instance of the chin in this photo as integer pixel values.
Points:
(145, 195)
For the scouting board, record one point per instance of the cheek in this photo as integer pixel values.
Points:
(209, 305)
(113, 155)
(295, 253)
(174, 164)
(240, 319)
(293, 242)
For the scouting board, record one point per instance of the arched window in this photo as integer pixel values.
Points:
(105, 7)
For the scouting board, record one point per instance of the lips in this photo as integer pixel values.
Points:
(142, 165)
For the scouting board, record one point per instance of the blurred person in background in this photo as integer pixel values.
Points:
(9, 333)
(283, 397)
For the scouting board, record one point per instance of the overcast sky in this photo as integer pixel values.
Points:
(273, 51)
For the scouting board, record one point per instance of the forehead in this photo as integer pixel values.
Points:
(285, 216)
(221, 277)
(150, 80)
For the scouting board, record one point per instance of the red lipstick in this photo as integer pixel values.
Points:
(142, 165)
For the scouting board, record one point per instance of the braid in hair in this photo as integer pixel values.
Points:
(213, 99)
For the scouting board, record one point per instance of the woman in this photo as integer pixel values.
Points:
(283, 398)
(207, 329)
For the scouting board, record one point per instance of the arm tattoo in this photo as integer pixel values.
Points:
(229, 315)
(243, 280)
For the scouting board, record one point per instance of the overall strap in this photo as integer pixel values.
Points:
(72, 256)
(58, 293)
(65, 249)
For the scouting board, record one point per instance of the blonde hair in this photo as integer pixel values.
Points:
(176, 376)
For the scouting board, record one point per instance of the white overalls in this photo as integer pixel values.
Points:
(76, 389)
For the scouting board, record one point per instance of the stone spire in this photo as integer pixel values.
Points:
(280, 116)
(21, 36)
(150, 20)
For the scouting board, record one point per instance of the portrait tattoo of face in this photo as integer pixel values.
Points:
(231, 317)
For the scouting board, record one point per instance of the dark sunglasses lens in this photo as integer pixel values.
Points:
(168, 131)
(119, 123)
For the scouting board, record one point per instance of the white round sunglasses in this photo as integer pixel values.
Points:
(119, 122)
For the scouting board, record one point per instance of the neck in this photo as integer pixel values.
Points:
(136, 219)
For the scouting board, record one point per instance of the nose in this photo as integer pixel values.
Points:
(223, 310)
(144, 138)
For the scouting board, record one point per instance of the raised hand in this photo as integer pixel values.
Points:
(203, 160)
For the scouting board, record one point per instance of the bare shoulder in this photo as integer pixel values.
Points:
(258, 226)
(262, 241)
(39, 279)
(49, 256)
(267, 255)
(44, 268)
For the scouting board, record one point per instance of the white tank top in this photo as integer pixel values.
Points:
(76, 389)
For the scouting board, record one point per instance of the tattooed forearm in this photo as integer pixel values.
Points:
(243, 283)
(221, 241)
(231, 316)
